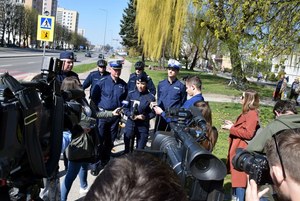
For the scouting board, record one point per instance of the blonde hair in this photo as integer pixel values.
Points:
(251, 100)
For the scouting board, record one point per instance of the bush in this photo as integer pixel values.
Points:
(133, 52)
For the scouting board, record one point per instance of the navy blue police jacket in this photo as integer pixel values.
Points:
(132, 83)
(170, 95)
(144, 99)
(108, 94)
(93, 78)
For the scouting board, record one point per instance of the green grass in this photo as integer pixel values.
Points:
(84, 67)
(230, 111)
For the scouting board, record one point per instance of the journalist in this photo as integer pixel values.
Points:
(282, 151)
(136, 176)
(240, 131)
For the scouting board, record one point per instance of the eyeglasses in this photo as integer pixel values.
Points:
(279, 155)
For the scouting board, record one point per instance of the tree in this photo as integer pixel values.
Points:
(160, 25)
(128, 31)
(264, 26)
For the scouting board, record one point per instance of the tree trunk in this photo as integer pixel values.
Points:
(235, 59)
(2, 37)
(195, 59)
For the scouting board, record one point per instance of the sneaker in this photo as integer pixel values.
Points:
(83, 191)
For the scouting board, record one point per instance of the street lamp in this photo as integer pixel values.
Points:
(105, 27)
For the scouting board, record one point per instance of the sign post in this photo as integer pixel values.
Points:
(45, 29)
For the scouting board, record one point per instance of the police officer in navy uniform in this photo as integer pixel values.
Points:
(139, 114)
(107, 94)
(171, 93)
(95, 76)
(139, 69)
(68, 63)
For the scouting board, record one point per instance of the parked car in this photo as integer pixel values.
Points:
(101, 56)
(88, 54)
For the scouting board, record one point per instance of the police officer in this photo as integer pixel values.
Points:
(107, 94)
(95, 76)
(139, 114)
(171, 93)
(139, 69)
(67, 66)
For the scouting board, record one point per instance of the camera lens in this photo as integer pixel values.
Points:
(202, 164)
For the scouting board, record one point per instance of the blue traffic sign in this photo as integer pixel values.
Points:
(46, 23)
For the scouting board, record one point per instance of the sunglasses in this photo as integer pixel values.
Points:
(278, 152)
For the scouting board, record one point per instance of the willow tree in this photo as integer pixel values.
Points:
(160, 25)
(265, 26)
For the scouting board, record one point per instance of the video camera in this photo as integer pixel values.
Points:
(199, 170)
(31, 126)
(254, 164)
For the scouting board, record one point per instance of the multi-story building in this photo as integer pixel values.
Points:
(50, 6)
(36, 4)
(81, 32)
(68, 19)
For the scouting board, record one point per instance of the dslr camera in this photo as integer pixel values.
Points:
(254, 164)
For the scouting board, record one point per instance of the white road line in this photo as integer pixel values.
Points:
(5, 65)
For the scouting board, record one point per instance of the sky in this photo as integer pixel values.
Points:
(92, 18)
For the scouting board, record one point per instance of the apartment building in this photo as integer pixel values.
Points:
(68, 19)
(50, 6)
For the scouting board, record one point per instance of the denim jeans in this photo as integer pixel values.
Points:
(239, 193)
(74, 168)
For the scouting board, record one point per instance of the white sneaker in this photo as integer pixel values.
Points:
(83, 191)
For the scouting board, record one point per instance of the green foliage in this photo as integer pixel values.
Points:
(133, 52)
(128, 32)
(280, 73)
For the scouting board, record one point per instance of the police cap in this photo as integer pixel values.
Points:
(66, 55)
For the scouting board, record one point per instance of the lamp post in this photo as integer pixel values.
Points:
(104, 27)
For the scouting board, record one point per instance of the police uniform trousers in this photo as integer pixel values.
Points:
(108, 129)
(138, 129)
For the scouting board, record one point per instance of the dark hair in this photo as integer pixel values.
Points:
(70, 83)
(212, 132)
(288, 142)
(284, 106)
(136, 176)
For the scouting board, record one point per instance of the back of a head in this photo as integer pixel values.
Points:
(251, 100)
(285, 106)
(70, 83)
(288, 146)
(194, 80)
(136, 176)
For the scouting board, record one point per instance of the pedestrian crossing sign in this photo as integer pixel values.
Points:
(45, 28)
(46, 23)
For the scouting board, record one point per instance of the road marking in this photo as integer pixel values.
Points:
(32, 62)
(19, 75)
(5, 65)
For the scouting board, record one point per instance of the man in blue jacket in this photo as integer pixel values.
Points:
(107, 94)
(171, 93)
(95, 76)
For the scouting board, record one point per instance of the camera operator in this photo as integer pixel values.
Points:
(286, 116)
(282, 151)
